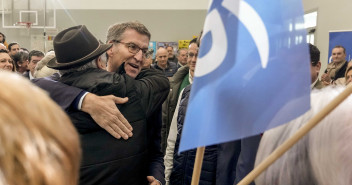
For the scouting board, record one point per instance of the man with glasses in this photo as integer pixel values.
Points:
(130, 42)
(182, 78)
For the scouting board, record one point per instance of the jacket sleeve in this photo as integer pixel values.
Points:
(62, 94)
(155, 157)
(154, 88)
(170, 148)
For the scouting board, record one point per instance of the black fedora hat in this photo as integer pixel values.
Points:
(74, 47)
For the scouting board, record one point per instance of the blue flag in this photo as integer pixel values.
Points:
(252, 72)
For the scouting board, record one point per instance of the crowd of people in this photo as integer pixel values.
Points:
(127, 110)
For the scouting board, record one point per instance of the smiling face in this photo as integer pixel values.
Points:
(6, 62)
(120, 53)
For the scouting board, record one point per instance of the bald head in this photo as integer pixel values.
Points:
(161, 50)
(162, 57)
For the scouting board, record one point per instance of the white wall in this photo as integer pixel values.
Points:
(133, 4)
(164, 25)
(332, 15)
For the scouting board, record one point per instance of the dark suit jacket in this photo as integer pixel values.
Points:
(62, 94)
(26, 74)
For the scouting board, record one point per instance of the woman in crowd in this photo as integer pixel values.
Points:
(6, 62)
(3, 39)
(321, 157)
(39, 145)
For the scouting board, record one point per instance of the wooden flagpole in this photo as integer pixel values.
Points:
(296, 137)
(198, 165)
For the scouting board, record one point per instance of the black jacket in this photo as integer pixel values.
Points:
(107, 160)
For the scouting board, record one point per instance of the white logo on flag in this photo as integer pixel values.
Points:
(216, 55)
(251, 20)
(254, 24)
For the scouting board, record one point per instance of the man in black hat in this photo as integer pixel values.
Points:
(102, 108)
(107, 160)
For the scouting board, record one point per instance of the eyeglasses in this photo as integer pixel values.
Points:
(133, 48)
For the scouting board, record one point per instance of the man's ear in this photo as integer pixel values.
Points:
(109, 52)
(100, 63)
(318, 66)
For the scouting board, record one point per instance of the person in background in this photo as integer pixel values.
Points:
(315, 66)
(41, 70)
(6, 62)
(3, 39)
(2, 46)
(163, 65)
(148, 58)
(348, 76)
(343, 80)
(39, 145)
(13, 48)
(322, 156)
(178, 82)
(34, 57)
(171, 56)
(181, 57)
(21, 61)
(337, 68)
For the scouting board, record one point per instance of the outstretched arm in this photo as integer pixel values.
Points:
(102, 109)
(105, 113)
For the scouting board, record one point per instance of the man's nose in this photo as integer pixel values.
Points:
(194, 58)
(139, 56)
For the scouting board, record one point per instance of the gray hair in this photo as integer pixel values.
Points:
(116, 31)
(104, 58)
(90, 65)
(321, 157)
(182, 49)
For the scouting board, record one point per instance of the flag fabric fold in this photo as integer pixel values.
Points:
(252, 72)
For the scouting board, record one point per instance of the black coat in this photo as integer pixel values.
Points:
(107, 160)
